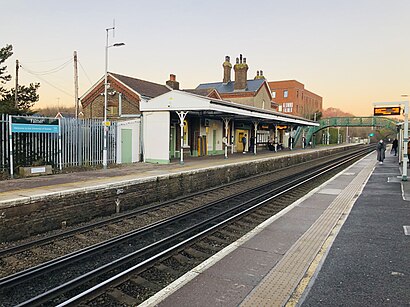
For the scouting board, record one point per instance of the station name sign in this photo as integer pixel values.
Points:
(34, 125)
(384, 111)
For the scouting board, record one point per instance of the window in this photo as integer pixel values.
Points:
(112, 111)
(285, 94)
(273, 94)
(288, 107)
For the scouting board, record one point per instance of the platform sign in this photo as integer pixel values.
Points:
(385, 111)
(29, 124)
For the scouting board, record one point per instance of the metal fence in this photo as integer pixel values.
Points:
(81, 144)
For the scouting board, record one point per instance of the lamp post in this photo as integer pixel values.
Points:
(105, 124)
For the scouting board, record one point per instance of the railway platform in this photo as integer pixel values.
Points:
(346, 243)
(26, 188)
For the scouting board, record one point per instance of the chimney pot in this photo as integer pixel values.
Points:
(244, 61)
(240, 58)
(237, 60)
(172, 82)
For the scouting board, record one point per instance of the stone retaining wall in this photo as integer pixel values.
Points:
(20, 220)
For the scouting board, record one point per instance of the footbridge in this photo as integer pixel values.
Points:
(369, 121)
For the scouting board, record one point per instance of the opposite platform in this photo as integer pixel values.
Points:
(25, 188)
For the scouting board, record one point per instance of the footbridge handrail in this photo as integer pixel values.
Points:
(367, 121)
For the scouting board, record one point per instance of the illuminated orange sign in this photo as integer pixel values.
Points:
(383, 111)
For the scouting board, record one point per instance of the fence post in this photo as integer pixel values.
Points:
(11, 149)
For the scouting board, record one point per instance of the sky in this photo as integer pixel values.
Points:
(351, 52)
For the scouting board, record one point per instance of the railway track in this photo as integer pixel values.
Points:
(19, 257)
(56, 280)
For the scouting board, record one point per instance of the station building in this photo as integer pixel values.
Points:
(183, 122)
(157, 123)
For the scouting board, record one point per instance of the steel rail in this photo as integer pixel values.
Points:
(62, 261)
(121, 216)
(160, 244)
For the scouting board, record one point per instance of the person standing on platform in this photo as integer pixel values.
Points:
(381, 151)
(395, 145)
(244, 143)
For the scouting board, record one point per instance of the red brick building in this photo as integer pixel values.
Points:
(124, 96)
(294, 99)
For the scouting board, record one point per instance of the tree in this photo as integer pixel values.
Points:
(27, 96)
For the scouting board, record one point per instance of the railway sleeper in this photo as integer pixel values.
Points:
(81, 237)
(122, 297)
(167, 270)
(182, 260)
(144, 283)
(195, 253)
(217, 239)
(208, 246)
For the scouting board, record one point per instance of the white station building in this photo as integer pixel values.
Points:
(180, 123)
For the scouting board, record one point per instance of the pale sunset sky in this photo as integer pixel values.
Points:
(351, 52)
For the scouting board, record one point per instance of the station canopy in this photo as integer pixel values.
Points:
(217, 109)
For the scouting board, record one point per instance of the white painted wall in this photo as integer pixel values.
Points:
(135, 126)
(156, 131)
(218, 126)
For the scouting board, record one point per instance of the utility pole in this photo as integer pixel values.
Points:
(76, 85)
(17, 85)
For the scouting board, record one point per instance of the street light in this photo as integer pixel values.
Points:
(105, 95)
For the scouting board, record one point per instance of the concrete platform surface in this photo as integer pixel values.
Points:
(310, 255)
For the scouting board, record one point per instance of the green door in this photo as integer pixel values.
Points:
(126, 145)
(214, 142)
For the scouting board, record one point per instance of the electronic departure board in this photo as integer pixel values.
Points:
(384, 111)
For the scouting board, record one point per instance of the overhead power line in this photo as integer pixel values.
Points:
(50, 71)
(85, 73)
(52, 85)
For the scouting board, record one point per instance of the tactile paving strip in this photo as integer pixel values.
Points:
(279, 284)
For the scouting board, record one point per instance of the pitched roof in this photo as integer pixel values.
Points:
(202, 92)
(144, 88)
(252, 86)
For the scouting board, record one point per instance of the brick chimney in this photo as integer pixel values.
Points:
(172, 82)
(259, 75)
(227, 69)
(241, 70)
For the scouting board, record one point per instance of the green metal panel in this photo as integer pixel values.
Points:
(126, 145)
(213, 141)
(172, 143)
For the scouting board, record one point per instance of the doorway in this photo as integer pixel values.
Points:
(126, 145)
(239, 134)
